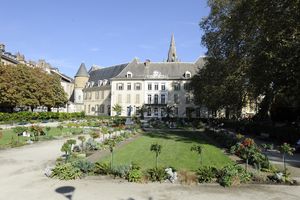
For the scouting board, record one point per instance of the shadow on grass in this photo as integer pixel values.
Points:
(181, 136)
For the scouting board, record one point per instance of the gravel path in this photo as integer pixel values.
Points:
(21, 172)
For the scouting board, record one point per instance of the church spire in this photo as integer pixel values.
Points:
(172, 56)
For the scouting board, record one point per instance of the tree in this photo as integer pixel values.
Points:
(142, 111)
(117, 109)
(111, 144)
(82, 139)
(157, 149)
(286, 149)
(199, 150)
(37, 131)
(67, 148)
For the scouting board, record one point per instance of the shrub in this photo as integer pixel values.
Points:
(156, 174)
(101, 168)
(206, 174)
(233, 175)
(120, 171)
(85, 166)
(92, 145)
(134, 175)
(66, 172)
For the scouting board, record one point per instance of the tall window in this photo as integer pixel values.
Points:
(162, 112)
(198, 112)
(187, 86)
(149, 99)
(102, 108)
(149, 86)
(163, 99)
(119, 98)
(89, 108)
(120, 86)
(149, 111)
(137, 98)
(156, 98)
(155, 111)
(128, 86)
(137, 86)
(163, 86)
(102, 94)
(128, 98)
(156, 86)
(90, 95)
(176, 98)
(176, 86)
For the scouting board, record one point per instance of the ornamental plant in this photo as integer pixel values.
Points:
(156, 148)
(111, 144)
(82, 139)
(198, 149)
(286, 149)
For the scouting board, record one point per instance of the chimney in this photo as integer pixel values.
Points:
(2, 47)
(147, 62)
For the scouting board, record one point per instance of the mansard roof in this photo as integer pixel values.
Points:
(165, 70)
(106, 72)
(82, 72)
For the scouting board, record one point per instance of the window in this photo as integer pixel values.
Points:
(97, 95)
(156, 98)
(137, 86)
(102, 94)
(176, 86)
(129, 75)
(89, 108)
(149, 98)
(99, 82)
(163, 99)
(188, 74)
(105, 81)
(176, 98)
(128, 86)
(198, 112)
(92, 84)
(156, 86)
(187, 86)
(162, 112)
(155, 111)
(79, 97)
(137, 98)
(149, 86)
(102, 108)
(120, 86)
(85, 96)
(90, 95)
(149, 111)
(188, 99)
(128, 98)
(119, 98)
(163, 86)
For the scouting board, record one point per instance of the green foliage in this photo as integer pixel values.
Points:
(286, 149)
(66, 172)
(233, 175)
(206, 174)
(117, 108)
(37, 131)
(134, 175)
(85, 166)
(101, 168)
(198, 149)
(94, 135)
(156, 174)
(157, 149)
(121, 171)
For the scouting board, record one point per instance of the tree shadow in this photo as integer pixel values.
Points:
(67, 191)
(181, 136)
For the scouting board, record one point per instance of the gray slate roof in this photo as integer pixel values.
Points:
(168, 70)
(106, 73)
(82, 72)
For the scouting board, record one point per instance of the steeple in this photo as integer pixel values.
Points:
(172, 56)
(82, 72)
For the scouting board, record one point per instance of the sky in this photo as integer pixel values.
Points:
(102, 32)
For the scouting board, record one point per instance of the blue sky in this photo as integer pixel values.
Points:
(101, 32)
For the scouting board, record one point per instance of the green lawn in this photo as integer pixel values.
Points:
(9, 136)
(176, 151)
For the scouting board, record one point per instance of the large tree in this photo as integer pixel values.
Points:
(24, 87)
(253, 53)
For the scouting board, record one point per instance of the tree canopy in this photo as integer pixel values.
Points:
(23, 87)
(253, 49)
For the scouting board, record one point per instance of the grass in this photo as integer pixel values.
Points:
(175, 151)
(10, 139)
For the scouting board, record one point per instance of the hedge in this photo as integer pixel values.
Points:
(28, 116)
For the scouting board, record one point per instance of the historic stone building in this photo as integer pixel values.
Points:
(156, 85)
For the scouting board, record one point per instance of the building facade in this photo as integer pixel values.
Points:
(155, 86)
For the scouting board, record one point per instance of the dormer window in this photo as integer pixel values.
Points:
(100, 82)
(105, 81)
(87, 84)
(92, 83)
(187, 74)
(129, 75)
